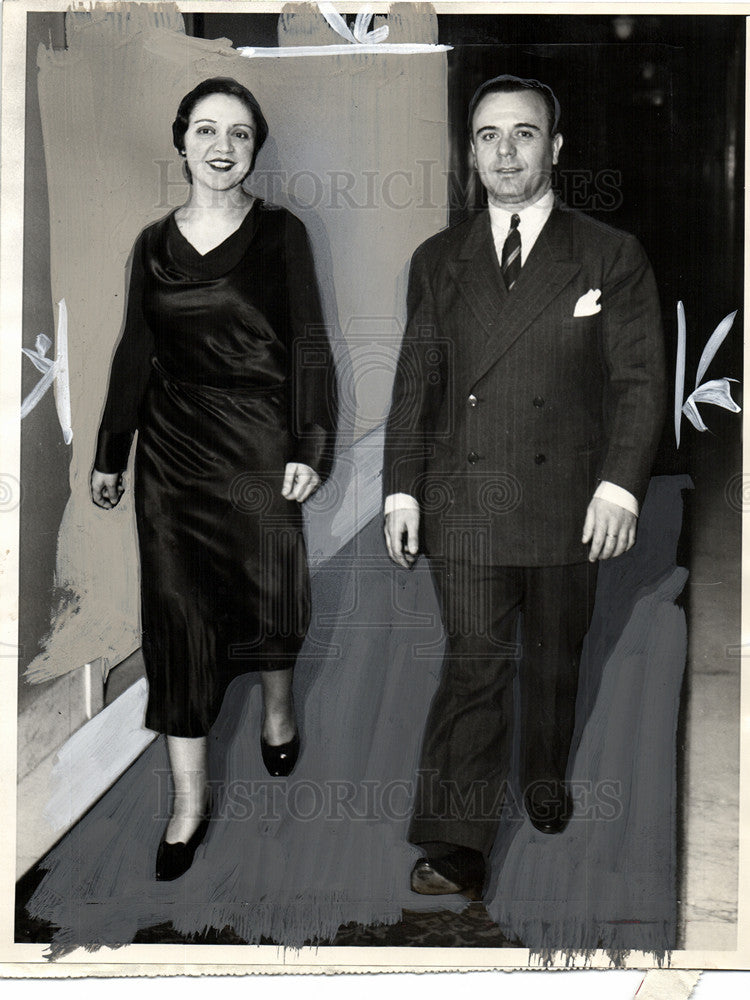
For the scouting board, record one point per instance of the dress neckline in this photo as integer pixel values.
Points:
(230, 236)
(183, 262)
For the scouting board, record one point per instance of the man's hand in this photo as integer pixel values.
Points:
(610, 529)
(402, 535)
(299, 481)
(106, 488)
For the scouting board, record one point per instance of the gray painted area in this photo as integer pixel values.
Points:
(609, 881)
(342, 173)
(292, 859)
(351, 497)
(45, 457)
(66, 774)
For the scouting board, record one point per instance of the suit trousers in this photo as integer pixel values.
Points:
(462, 782)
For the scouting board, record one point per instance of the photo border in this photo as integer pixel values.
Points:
(24, 960)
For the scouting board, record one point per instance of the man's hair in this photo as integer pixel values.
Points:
(507, 84)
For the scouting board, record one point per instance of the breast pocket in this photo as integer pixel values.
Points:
(580, 345)
(582, 325)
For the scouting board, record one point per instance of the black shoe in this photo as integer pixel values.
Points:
(280, 760)
(460, 870)
(173, 860)
(548, 805)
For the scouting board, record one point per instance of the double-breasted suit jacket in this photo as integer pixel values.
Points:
(507, 408)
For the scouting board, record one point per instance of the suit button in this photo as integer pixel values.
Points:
(472, 400)
(540, 459)
(472, 458)
(538, 401)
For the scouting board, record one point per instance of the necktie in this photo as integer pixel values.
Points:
(511, 262)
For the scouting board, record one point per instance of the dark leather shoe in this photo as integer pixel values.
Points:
(548, 805)
(280, 760)
(460, 870)
(173, 860)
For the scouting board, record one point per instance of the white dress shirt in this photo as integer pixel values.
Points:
(533, 217)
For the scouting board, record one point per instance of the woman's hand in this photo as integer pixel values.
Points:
(106, 488)
(299, 481)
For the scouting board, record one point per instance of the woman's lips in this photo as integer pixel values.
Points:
(222, 165)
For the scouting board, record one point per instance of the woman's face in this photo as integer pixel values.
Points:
(219, 141)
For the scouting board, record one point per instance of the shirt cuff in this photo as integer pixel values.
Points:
(399, 501)
(616, 494)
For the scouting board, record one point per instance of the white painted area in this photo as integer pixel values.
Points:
(62, 381)
(93, 688)
(87, 690)
(361, 33)
(360, 39)
(95, 757)
(716, 391)
(287, 51)
(38, 357)
(54, 373)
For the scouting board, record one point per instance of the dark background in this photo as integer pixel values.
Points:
(653, 126)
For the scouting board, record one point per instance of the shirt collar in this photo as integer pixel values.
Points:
(536, 213)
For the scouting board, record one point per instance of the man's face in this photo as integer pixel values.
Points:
(513, 150)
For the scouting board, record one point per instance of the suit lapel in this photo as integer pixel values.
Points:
(478, 277)
(548, 269)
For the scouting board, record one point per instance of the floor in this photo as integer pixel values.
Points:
(708, 776)
(472, 928)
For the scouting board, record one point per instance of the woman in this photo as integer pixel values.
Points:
(224, 371)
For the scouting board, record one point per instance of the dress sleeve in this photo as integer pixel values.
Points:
(313, 377)
(130, 370)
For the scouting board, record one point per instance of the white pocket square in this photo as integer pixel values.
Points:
(588, 304)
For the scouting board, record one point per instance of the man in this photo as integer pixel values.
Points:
(526, 411)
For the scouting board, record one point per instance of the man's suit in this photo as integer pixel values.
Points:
(507, 411)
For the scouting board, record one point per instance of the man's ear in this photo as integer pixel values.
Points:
(473, 154)
(557, 141)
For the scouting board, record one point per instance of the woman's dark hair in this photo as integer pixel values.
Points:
(218, 85)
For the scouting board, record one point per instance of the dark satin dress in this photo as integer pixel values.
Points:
(224, 369)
